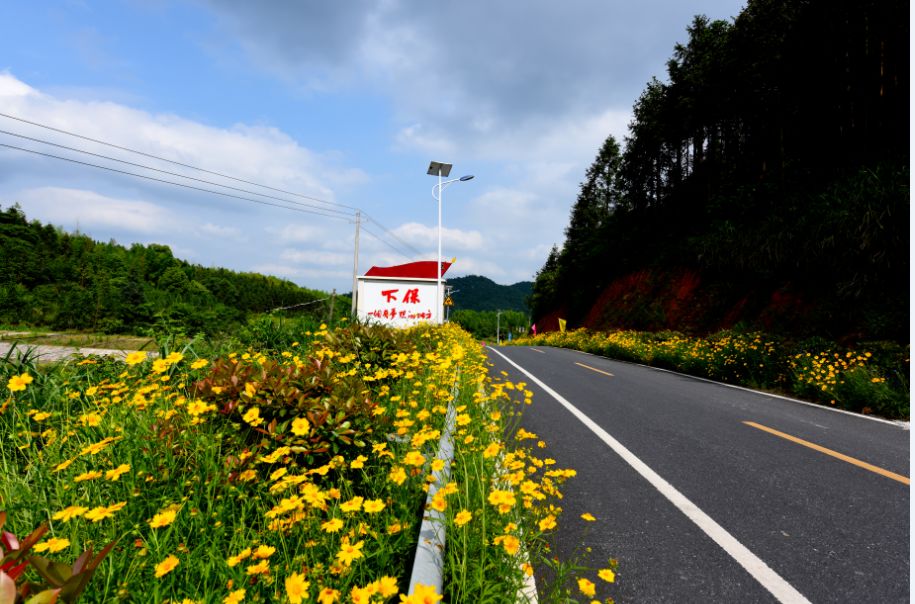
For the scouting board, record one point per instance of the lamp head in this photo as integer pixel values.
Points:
(466, 178)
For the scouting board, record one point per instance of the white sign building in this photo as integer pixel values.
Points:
(400, 296)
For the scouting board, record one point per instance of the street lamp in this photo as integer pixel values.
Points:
(441, 170)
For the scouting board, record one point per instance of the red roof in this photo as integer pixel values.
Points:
(424, 269)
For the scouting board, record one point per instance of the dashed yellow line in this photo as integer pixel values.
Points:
(594, 369)
(830, 452)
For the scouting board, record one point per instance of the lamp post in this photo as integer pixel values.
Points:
(441, 170)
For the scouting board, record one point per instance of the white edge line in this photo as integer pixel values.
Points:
(768, 578)
(899, 424)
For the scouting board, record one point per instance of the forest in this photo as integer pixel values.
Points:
(50, 278)
(763, 183)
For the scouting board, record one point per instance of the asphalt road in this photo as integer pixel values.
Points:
(765, 519)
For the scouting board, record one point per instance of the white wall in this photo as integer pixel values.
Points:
(396, 302)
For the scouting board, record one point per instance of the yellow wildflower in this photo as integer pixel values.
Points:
(264, 551)
(115, 473)
(462, 518)
(300, 426)
(353, 505)
(135, 358)
(492, 450)
(350, 552)
(548, 523)
(414, 458)
(253, 416)
(90, 419)
(261, 568)
(166, 566)
(586, 587)
(19, 382)
(422, 594)
(510, 543)
(297, 588)
(332, 526)
(100, 513)
(386, 586)
(87, 476)
(69, 513)
(163, 518)
(52, 545)
(235, 597)
(373, 506)
(63, 465)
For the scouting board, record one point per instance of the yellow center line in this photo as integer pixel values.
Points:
(593, 369)
(836, 454)
(537, 350)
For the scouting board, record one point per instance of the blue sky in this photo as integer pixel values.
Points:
(346, 102)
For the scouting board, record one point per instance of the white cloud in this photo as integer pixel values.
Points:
(427, 236)
(222, 231)
(299, 273)
(72, 207)
(297, 233)
(315, 257)
(251, 152)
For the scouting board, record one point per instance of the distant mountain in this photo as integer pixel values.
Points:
(475, 292)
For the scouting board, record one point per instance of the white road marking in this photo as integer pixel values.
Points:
(768, 578)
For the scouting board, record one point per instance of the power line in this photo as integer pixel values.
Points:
(391, 233)
(171, 161)
(327, 212)
(379, 238)
(177, 184)
(145, 167)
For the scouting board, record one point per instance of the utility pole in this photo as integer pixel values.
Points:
(352, 311)
(333, 296)
(498, 324)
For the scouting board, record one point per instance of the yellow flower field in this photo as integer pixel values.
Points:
(293, 475)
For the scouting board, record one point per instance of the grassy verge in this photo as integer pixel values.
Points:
(872, 379)
(291, 472)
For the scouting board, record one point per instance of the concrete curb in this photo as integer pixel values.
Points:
(428, 563)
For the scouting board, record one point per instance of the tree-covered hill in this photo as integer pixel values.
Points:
(475, 292)
(51, 278)
(765, 183)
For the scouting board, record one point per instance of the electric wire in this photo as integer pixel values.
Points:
(171, 161)
(387, 243)
(312, 209)
(391, 234)
(177, 184)
(145, 167)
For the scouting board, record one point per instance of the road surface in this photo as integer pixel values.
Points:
(709, 493)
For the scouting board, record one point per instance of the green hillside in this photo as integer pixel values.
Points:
(475, 292)
(50, 278)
